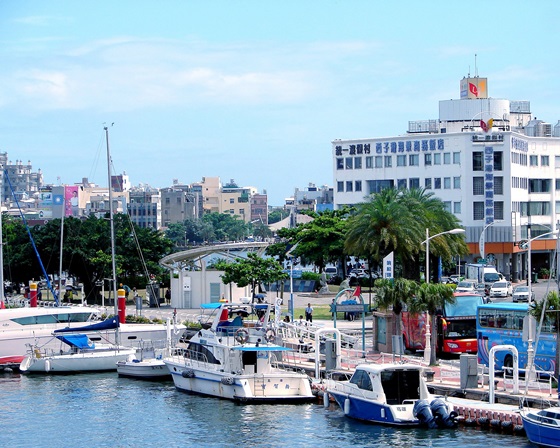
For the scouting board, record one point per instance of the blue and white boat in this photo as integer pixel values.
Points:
(391, 394)
(542, 427)
(237, 359)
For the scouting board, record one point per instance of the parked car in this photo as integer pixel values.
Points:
(521, 294)
(501, 289)
(359, 273)
(466, 286)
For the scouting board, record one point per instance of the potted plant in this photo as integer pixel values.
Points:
(544, 273)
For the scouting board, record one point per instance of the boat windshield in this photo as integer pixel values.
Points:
(53, 318)
(400, 385)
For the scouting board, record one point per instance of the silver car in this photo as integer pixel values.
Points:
(521, 294)
(501, 289)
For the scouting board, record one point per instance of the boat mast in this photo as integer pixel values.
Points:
(57, 298)
(111, 223)
(1, 245)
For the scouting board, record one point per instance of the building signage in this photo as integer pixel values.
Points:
(488, 184)
(393, 147)
(519, 144)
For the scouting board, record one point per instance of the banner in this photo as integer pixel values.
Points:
(388, 265)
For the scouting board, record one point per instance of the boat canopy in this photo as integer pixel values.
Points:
(211, 306)
(262, 348)
(76, 340)
(108, 324)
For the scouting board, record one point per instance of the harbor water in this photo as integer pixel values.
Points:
(103, 410)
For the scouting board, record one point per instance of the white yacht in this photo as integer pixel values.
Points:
(235, 358)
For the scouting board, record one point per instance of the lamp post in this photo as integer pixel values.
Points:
(530, 348)
(427, 345)
(481, 240)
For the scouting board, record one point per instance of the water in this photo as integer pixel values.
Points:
(102, 410)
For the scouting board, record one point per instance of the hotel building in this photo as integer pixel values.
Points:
(494, 165)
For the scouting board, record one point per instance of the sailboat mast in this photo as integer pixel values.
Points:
(111, 223)
(2, 301)
(57, 298)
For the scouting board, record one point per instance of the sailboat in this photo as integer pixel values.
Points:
(81, 353)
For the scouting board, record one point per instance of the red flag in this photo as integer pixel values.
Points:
(473, 89)
(357, 291)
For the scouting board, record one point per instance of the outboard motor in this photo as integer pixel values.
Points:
(442, 417)
(423, 413)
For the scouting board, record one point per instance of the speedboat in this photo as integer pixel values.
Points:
(391, 394)
(236, 358)
(542, 427)
(22, 327)
(81, 354)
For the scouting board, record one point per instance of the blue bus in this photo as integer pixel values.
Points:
(502, 324)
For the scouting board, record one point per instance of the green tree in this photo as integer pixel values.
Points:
(395, 294)
(226, 227)
(547, 314)
(278, 214)
(251, 271)
(432, 298)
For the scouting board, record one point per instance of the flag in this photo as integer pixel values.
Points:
(473, 89)
(483, 126)
(357, 291)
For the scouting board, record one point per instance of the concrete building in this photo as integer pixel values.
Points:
(494, 165)
(23, 180)
(313, 198)
(144, 207)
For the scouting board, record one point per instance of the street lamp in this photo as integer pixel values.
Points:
(481, 240)
(530, 348)
(427, 345)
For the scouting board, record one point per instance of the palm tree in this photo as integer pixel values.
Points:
(550, 317)
(395, 295)
(384, 224)
(432, 298)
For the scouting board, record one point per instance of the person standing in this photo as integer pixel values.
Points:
(309, 313)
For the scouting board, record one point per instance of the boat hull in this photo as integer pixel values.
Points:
(281, 387)
(374, 412)
(541, 433)
(105, 360)
(148, 369)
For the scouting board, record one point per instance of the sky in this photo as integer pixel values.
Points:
(253, 91)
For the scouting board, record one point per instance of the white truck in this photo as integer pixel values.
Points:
(483, 273)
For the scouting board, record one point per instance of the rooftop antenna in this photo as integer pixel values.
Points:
(475, 67)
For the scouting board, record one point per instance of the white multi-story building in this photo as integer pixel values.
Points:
(494, 165)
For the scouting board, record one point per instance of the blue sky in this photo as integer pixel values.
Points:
(253, 91)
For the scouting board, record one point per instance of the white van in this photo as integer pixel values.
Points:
(331, 271)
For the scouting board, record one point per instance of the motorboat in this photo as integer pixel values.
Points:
(22, 327)
(236, 358)
(542, 426)
(80, 354)
(391, 394)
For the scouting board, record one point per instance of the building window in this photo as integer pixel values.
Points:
(557, 207)
(478, 211)
(340, 164)
(378, 161)
(349, 163)
(231, 200)
(477, 161)
(447, 158)
(557, 183)
(457, 208)
(413, 160)
(437, 183)
(414, 182)
(358, 185)
(545, 161)
(539, 185)
(437, 158)
(498, 161)
(447, 206)
(340, 187)
(357, 163)
(498, 185)
(457, 182)
(388, 161)
(534, 160)
(427, 159)
(428, 183)
(401, 184)
(349, 186)
(498, 210)
(369, 162)
(447, 183)
(478, 186)
(401, 160)
(456, 158)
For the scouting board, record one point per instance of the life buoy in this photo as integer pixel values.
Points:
(242, 335)
(270, 335)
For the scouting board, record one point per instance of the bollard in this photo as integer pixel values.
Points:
(33, 295)
(121, 294)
